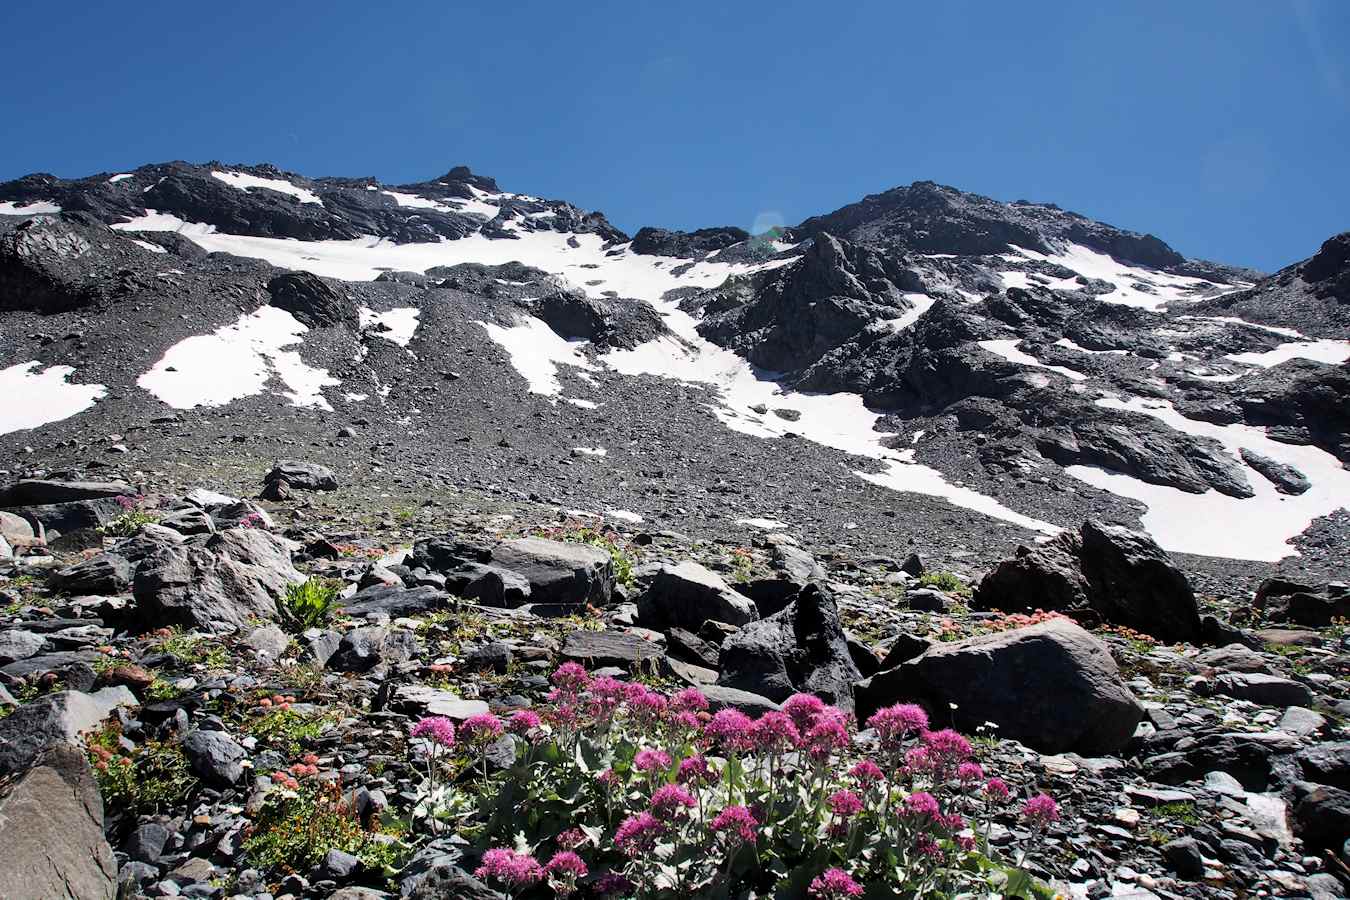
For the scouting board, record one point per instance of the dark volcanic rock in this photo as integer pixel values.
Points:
(558, 572)
(107, 573)
(51, 832)
(687, 595)
(686, 244)
(1287, 479)
(607, 322)
(394, 601)
(1052, 686)
(313, 301)
(303, 475)
(215, 757)
(39, 492)
(799, 649)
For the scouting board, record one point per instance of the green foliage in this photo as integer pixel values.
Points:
(742, 564)
(285, 729)
(146, 779)
(309, 604)
(295, 830)
(622, 556)
(1182, 811)
(127, 524)
(195, 649)
(945, 582)
(161, 690)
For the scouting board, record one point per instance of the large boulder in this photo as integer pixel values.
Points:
(394, 600)
(687, 595)
(558, 572)
(1110, 572)
(54, 719)
(305, 476)
(51, 832)
(1052, 686)
(215, 757)
(39, 492)
(215, 582)
(801, 648)
(312, 301)
(107, 573)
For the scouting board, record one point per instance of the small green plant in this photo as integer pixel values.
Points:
(1182, 811)
(161, 690)
(130, 520)
(285, 729)
(742, 564)
(296, 828)
(404, 514)
(151, 777)
(946, 582)
(309, 604)
(194, 649)
(621, 556)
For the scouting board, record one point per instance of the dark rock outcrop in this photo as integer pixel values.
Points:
(313, 301)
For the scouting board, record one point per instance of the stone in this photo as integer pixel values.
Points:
(1121, 575)
(51, 831)
(418, 699)
(802, 648)
(304, 476)
(722, 697)
(267, 641)
(610, 648)
(218, 583)
(1301, 721)
(362, 649)
(313, 302)
(54, 719)
(1183, 856)
(557, 571)
(1322, 818)
(41, 492)
(147, 842)
(106, 573)
(1327, 763)
(215, 757)
(189, 520)
(16, 530)
(686, 595)
(1267, 690)
(495, 656)
(394, 601)
(1250, 758)
(690, 647)
(1052, 686)
(927, 600)
(1286, 478)
(16, 645)
(340, 865)
(1233, 658)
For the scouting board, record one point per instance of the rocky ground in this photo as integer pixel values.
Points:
(155, 689)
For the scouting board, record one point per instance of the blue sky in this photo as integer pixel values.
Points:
(1222, 127)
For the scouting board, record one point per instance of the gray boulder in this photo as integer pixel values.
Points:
(106, 573)
(609, 648)
(802, 648)
(216, 582)
(17, 644)
(394, 601)
(558, 572)
(1267, 690)
(687, 595)
(215, 757)
(362, 649)
(1121, 576)
(304, 476)
(40, 492)
(54, 719)
(51, 832)
(1052, 686)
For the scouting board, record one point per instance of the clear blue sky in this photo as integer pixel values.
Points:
(1223, 127)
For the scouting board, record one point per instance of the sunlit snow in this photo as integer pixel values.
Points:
(244, 181)
(536, 352)
(34, 398)
(764, 524)
(146, 245)
(34, 208)
(1325, 351)
(1070, 345)
(122, 177)
(237, 361)
(1159, 288)
(1007, 348)
(397, 325)
(922, 303)
(1214, 524)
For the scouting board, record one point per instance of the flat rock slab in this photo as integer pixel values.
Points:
(609, 648)
(435, 702)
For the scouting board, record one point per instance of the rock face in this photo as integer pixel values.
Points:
(686, 595)
(39, 492)
(607, 322)
(1120, 575)
(215, 582)
(54, 719)
(801, 648)
(1281, 600)
(687, 244)
(215, 757)
(558, 572)
(51, 832)
(107, 573)
(1052, 686)
(312, 301)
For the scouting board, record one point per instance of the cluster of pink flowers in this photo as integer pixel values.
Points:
(481, 728)
(437, 729)
(834, 884)
(1041, 810)
(736, 823)
(513, 869)
(638, 834)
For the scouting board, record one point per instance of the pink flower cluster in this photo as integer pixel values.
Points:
(509, 867)
(437, 729)
(834, 884)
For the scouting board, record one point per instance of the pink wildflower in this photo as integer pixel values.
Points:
(845, 804)
(867, 773)
(648, 760)
(570, 839)
(481, 728)
(637, 834)
(774, 732)
(690, 699)
(997, 789)
(966, 842)
(687, 720)
(523, 721)
(437, 729)
(834, 884)
(730, 728)
(918, 761)
(948, 746)
(1041, 810)
(826, 736)
(695, 770)
(614, 884)
(969, 773)
(670, 801)
(564, 870)
(895, 723)
(608, 779)
(738, 823)
(649, 706)
(571, 677)
(928, 846)
(803, 709)
(922, 805)
(512, 868)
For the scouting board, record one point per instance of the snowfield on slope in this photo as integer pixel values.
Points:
(34, 398)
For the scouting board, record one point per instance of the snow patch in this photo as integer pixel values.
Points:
(32, 208)
(1070, 345)
(243, 181)
(237, 361)
(591, 451)
(123, 177)
(624, 515)
(397, 325)
(34, 398)
(1214, 524)
(1007, 348)
(536, 352)
(1324, 351)
(922, 303)
(146, 245)
(764, 524)
(1135, 285)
